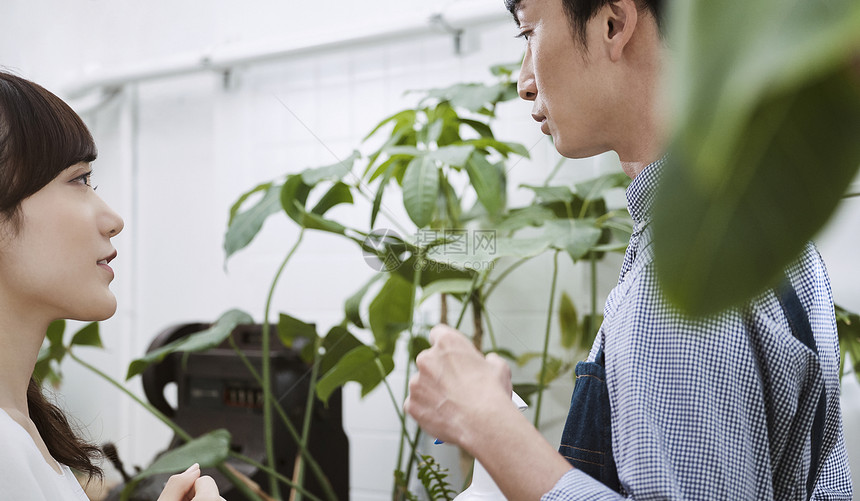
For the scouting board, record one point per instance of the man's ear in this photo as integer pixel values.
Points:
(619, 18)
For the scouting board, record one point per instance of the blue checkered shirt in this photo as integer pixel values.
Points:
(714, 408)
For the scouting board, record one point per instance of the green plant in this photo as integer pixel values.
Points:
(451, 170)
(766, 101)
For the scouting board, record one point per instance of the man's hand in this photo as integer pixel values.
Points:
(190, 486)
(457, 390)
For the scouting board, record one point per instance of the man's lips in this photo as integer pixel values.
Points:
(544, 127)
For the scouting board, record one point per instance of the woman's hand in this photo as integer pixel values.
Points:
(190, 486)
(457, 388)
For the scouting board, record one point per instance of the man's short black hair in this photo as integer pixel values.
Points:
(579, 12)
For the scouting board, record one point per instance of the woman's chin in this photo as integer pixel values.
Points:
(96, 312)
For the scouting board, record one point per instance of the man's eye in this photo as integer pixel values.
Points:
(524, 34)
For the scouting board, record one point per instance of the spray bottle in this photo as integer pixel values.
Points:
(482, 487)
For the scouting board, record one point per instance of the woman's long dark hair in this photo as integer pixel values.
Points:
(40, 136)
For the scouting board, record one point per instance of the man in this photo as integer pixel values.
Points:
(733, 406)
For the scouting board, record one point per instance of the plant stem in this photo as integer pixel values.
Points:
(309, 406)
(504, 274)
(239, 484)
(184, 435)
(541, 382)
(303, 450)
(414, 453)
(554, 170)
(412, 442)
(466, 301)
(403, 433)
(155, 412)
(478, 325)
(416, 283)
(273, 473)
(268, 435)
(492, 334)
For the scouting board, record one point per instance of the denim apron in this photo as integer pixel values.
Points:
(586, 441)
(802, 330)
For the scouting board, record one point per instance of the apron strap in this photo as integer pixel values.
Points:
(802, 330)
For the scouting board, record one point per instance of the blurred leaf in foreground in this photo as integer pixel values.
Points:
(767, 138)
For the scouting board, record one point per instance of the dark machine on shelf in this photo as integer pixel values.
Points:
(216, 390)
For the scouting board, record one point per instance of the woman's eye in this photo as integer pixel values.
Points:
(85, 179)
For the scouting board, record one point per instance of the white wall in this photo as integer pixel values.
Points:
(175, 153)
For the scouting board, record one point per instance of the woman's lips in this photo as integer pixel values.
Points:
(103, 263)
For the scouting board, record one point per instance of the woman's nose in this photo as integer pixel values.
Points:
(112, 223)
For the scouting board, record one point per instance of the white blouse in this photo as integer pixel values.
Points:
(24, 473)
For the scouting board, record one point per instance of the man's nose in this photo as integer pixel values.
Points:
(526, 87)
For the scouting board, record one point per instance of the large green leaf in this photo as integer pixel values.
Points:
(51, 354)
(454, 155)
(767, 138)
(291, 328)
(480, 127)
(359, 365)
(450, 132)
(420, 188)
(447, 286)
(88, 336)
(198, 341)
(481, 254)
(294, 195)
(576, 236)
(337, 343)
(487, 181)
(208, 450)
(533, 215)
(352, 306)
(594, 189)
(390, 311)
(245, 225)
(550, 194)
(431, 270)
(402, 119)
(56, 329)
(338, 194)
(416, 345)
(334, 172)
(848, 327)
(377, 199)
(568, 322)
(471, 96)
(502, 147)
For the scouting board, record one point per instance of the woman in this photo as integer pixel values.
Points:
(55, 250)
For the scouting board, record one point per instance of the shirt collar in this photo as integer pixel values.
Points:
(640, 193)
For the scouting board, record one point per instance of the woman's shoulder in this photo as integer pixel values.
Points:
(24, 474)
